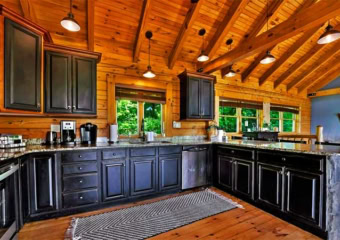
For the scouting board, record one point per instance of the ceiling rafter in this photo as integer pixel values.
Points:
(306, 19)
(246, 73)
(290, 52)
(314, 50)
(183, 33)
(224, 27)
(313, 67)
(90, 24)
(140, 32)
(326, 78)
(27, 9)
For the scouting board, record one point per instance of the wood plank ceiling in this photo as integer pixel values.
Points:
(117, 28)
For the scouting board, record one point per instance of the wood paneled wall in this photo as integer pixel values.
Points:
(117, 67)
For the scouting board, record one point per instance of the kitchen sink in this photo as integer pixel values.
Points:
(153, 142)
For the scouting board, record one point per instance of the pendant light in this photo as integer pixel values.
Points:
(330, 35)
(69, 22)
(268, 58)
(149, 73)
(230, 72)
(202, 57)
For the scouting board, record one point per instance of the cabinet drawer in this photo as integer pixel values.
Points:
(79, 168)
(80, 198)
(170, 150)
(237, 152)
(299, 161)
(138, 152)
(79, 156)
(117, 153)
(80, 182)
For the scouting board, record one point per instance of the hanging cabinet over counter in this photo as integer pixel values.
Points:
(197, 96)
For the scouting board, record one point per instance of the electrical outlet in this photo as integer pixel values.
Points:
(176, 124)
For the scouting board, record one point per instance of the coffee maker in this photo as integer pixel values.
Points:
(88, 133)
(68, 132)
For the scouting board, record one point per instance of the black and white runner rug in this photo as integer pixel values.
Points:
(151, 219)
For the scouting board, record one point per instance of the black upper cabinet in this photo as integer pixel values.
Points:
(197, 96)
(70, 84)
(22, 67)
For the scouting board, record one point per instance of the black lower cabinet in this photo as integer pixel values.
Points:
(269, 185)
(225, 172)
(170, 172)
(114, 180)
(24, 189)
(143, 175)
(304, 196)
(244, 178)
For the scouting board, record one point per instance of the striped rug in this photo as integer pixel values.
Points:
(151, 219)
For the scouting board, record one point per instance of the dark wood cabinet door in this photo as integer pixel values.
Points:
(170, 172)
(207, 99)
(22, 67)
(193, 104)
(114, 180)
(244, 177)
(58, 88)
(43, 183)
(225, 172)
(269, 185)
(84, 85)
(143, 175)
(305, 196)
(24, 189)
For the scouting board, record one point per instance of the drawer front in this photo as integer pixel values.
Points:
(237, 152)
(80, 182)
(170, 150)
(299, 161)
(79, 168)
(117, 153)
(80, 198)
(139, 152)
(79, 156)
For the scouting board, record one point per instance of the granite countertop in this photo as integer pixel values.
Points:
(279, 146)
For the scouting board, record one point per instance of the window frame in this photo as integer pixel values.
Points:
(281, 119)
(232, 116)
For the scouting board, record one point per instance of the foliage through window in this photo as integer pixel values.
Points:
(228, 119)
(153, 117)
(284, 121)
(249, 119)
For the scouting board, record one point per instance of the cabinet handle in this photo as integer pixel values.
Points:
(68, 107)
(81, 197)
(38, 104)
(81, 181)
(74, 107)
(284, 159)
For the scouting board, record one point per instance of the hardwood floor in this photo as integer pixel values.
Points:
(248, 223)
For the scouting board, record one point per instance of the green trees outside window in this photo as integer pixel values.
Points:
(249, 119)
(288, 122)
(286, 118)
(153, 117)
(127, 117)
(228, 119)
(274, 120)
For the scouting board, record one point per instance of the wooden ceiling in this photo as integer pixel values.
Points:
(117, 27)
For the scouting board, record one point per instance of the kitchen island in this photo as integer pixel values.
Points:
(297, 182)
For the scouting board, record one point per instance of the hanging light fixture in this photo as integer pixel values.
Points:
(149, 73)
(268, 58)
(69, 22)
(230, 72)
(330, 35)
(202, 57)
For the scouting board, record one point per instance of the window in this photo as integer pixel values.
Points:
(284, 121)
(228, 119)
(153, 117)
(249, 119)
(127, 117)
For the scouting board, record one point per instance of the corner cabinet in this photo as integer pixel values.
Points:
(70, 82)
(197, 96)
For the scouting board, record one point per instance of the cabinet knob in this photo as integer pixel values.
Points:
(80, 168)
(80, 156)
(284, 159)
(38, 104)
(232, 151)
(68, 107)
(74, 107)
(81, 197)
(81, 181)
(113, 154)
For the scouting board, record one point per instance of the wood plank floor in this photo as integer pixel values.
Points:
(247, 223)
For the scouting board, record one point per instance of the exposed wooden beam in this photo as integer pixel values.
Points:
(328, 92)
(290, 52)
(230, 18)
(183, 32)
(141, 30)
(326, 78)
(90, 24)
(300, 62)
(249, 70)
(315, 66)
(306, 19)
(27, 9)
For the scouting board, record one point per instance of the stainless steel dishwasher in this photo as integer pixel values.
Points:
(194, 167)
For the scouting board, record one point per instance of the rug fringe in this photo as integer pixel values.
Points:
(225, 198)
(69, 234)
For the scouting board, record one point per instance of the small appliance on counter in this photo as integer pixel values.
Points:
(68, 132)
(11, 141)
(113, 133)
(51, 138)
(88, 133)
(150, 136)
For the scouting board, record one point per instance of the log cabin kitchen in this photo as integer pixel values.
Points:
(181, 119)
